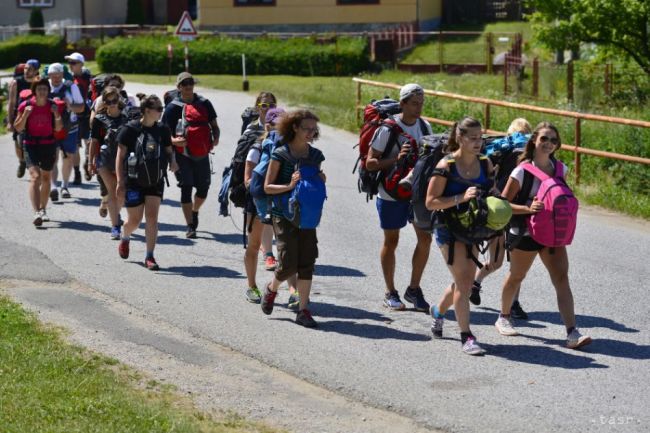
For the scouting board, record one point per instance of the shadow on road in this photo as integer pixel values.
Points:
(201, 272)
(582, 321)
(324, 309)
(337, 271)
(84, 226)
(365, 330)
(543, 355)
(228, 238)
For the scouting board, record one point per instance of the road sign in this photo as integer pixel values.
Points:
(185, 28)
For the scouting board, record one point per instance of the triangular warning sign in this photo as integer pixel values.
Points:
(185, 26)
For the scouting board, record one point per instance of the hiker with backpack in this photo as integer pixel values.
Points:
(143, 154)
(458, 182)
(38, 119)
(296, 184)
(193, 123)
(393, 144)
(81, 76)
(21, 84)
(103, 151)
(544, 224)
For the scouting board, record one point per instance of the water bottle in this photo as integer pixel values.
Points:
(180, 131)
(131, 163)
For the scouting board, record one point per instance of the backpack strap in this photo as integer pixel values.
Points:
(423, 126)
(539, 174)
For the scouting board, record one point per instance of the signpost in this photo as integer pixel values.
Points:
(186, 32)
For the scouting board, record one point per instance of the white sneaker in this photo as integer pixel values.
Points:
(504, 326)
(471, 347)
(576, 340)
(38, 220)
(44, 216)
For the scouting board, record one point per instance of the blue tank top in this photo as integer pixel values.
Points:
(453, 187)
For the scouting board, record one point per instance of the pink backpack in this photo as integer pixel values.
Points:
(556, 224)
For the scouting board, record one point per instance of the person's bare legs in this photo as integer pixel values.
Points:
(151, 208)
(387, 258)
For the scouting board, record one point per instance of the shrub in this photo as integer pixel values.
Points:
(221, 55)
(18, 49)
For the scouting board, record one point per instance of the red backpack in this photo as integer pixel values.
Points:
(196, 127)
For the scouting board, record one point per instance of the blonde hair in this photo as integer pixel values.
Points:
(519, 125)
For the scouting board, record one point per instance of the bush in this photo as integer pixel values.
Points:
(220, 55)
(44, 48)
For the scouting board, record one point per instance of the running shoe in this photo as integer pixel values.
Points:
(123, 249)
(414, 296)
(475, 297)
(44, 215)
(116, 232)
(191, 232)
(576, 340)
(38, 219)
(392, 301)
(54, 194)
(505, 327)
(268, 300)
(303, 318)
(294, 301)
(77, 176)
(436, 327)
(65, 193)
(21, 169)
(270, 263)
(253, 295)
(151, 264)
(471, 347)
(517, 312)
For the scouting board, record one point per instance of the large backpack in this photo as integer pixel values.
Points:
(555, 225)
(108, 149)
(170, 95)
(151, 163)
(196, 127)
(431, 152)
(258, 176)
(26, 136)
(248, 116)
(97, 84)
(504, 152)
(238, 164)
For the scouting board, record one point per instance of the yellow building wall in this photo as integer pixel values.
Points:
(430, 9)
(224, 13)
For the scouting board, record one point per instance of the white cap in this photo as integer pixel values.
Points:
(409, 90)
(55, 68)
(76, 57)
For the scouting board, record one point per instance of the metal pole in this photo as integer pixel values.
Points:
(245, 85)
(187, 58)
(358, 105)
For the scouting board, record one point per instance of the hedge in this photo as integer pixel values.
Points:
(221, 55)
(16, 50)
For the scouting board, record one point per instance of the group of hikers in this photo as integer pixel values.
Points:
(442, 184)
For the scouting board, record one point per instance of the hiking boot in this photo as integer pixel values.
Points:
(54, 194)
(304, 319)
(392, 301)
(65, 193)
(436, 327)
(475, 297)
(294, 301)
(38, 219)
(116, 232)
(414, 296)
(195, 220)
(190, 233)
(77, 176)
(471, 347)
(504, 326)
(268, 299)
(21, 169)
(270, 263)
(44, 215)
(151, 264)
(123, 248)
(253, 295)
(575, 339)
(517, 312)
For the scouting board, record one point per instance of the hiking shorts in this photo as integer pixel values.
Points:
(525, 243)
(421, 217)
(297, 250)
(393, 215)
(42, 156)
(69, 145)
(84, 129)
(135, 194)
(443, 236)
(194, 172)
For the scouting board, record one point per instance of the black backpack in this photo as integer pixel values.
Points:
(238, 164)
(431, 153)
(151, 165)
(170, 95)
(108, 149)
(249, 115)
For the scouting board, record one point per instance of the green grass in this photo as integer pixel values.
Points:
(47, 385)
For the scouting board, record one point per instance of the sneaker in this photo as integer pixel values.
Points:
(190, 233)
(517, 312)
(471, 347)
(294, 301)
(414, 296)
(54, 194)
(436, 327)
(575, 339)
(475, 297)
(44, 215)
(116, 232)
(38, 219)
(151, 264)
(123, 249)
(392, 301)
(253, 295)
(504, 326)
(77, 177)
(65, 193)
(270, 263)
(304, 319)
(268, 300)
(21, 169)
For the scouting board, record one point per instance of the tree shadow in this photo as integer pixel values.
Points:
(542, 355)
(201, 272)
(337, 271)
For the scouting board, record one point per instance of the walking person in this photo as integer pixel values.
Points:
(193, 121)
(147, 145)
(81, 76)
(38, 119)
(393, 214)
(522, 191)
(297, 246)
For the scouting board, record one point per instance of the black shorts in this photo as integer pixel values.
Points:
(135, 194)
(84, 128)
(194, 172)
(524, 243)
(42, 156)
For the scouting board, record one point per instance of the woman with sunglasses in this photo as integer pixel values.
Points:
(103, 151)
(140, 201)
(540, 152)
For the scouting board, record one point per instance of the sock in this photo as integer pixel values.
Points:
(436, 312)
(464, 336)
(570, 330)
(149, 255)
(477, 284)
(126, 237)
(505, 316)
(65, 184)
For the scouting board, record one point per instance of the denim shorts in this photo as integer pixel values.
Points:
(443, 236)
(393, 215)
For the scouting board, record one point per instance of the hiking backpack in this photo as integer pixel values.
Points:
(97, 84)
(555, 225)
(238, 164)
(504, 152)
(170, 95)
(258, 176)
(151, 161)
(196, 127)
(431, 152)
(26, 136)
(108, 150)
(249, 115)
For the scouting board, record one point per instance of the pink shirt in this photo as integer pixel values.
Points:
(40, 124)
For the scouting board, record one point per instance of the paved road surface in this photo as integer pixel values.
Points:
(361, 351)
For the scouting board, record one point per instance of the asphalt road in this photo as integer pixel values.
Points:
(529, 383)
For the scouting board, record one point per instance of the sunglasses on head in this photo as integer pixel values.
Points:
(111, 101)
(265, 105)
(544, 139)
(188, 82)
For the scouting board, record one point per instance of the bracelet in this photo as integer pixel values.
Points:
(456, 199)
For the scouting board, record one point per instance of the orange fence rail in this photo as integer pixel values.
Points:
(576, 148)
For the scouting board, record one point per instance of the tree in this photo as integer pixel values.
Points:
(620, 25)
(134, 12)
(36, 21)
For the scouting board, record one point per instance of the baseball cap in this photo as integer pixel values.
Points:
(409, 90)
(273, 114)
(33, 63)
(185, 76)
(76, 57)
(55, 68)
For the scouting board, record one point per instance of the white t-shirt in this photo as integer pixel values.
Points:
(254, 155)
(72, 97)
(380, 140)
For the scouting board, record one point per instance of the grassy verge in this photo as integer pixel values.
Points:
(48, 385)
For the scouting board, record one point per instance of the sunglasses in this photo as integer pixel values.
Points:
(187, 83)
(73, 63)
(111, 101)
(265, 105)
(544, 139)
(310, 131)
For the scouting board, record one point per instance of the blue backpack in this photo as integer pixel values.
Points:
(256, 186)
(504, 153)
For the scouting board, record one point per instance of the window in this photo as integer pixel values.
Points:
(35, 3)
(356, 2)
(254, 2)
